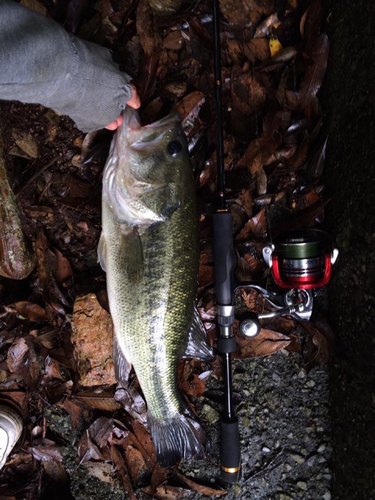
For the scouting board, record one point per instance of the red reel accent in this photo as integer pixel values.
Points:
(304, 282)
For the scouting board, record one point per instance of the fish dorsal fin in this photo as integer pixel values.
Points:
(132, 257)
(198, 343)
(102, 249)
(122, 365)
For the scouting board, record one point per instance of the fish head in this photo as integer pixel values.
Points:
(148, 170)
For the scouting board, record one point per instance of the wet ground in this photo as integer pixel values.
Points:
(349, 175)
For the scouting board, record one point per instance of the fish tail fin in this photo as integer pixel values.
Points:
(176, 438)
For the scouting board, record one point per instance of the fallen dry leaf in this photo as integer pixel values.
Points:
(35, 5)
(174, 41)
(266, 343)
(193, 386)
(146, 28)
(313, 78)
(261, 152)
(122, 471)
(248, 94)
(45, 450)
(102, 471)
(30, 311)
(52, 368)
(87, 450)
(315, 168)
(203, 490)
(16, 354)
(144, 443)
(103, 400)
(132, 402)
(64, 271)
(256, 226)
(74, 411)
(26, 143)
(166, 492)
(189, 107)
(135, 462)
(316, 349)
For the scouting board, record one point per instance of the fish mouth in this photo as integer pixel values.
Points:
(139, 137)
(131, 118)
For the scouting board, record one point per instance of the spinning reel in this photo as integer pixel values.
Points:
(300, 261)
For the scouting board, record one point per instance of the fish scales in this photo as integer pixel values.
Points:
(152, 314)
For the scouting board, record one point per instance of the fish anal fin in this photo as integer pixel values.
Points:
(102, 250)
(198, 343)
(122, 365)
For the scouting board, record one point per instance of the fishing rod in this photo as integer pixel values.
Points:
(299, 261)
(225, 283)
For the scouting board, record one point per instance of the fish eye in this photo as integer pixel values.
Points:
(174, 148)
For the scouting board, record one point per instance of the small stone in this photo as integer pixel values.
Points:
(310, 462)
(298, 458)
(310, 383)
(210, 413)
(237, 490)
(283, 496)
(302, 374)
(327, 496)
(302, 485)
(288, 467)
(321, 448)
(266, 450)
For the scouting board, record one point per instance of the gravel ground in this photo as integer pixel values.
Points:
(284, 427)
(285, 435)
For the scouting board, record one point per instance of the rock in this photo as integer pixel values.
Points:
(327, 496)
(302, 485)
(92, 337)
(321, 448)
(298, 458)
(210, 413)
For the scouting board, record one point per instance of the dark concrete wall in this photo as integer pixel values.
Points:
(349, 176)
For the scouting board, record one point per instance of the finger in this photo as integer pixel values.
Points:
(134, 101)
(115, 124)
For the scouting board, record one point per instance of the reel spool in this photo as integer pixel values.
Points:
(301, 259)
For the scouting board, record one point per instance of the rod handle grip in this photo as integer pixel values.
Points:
(225, 257)
(230, 451)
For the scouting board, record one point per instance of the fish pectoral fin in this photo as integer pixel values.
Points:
(132, 254)
(122, 365)
(102, 250)
(198, 343)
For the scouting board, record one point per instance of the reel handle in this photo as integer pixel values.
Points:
(230, 451)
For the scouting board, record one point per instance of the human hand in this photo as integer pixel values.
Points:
(133, 102)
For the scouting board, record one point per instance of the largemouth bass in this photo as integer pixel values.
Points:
(149, 250)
